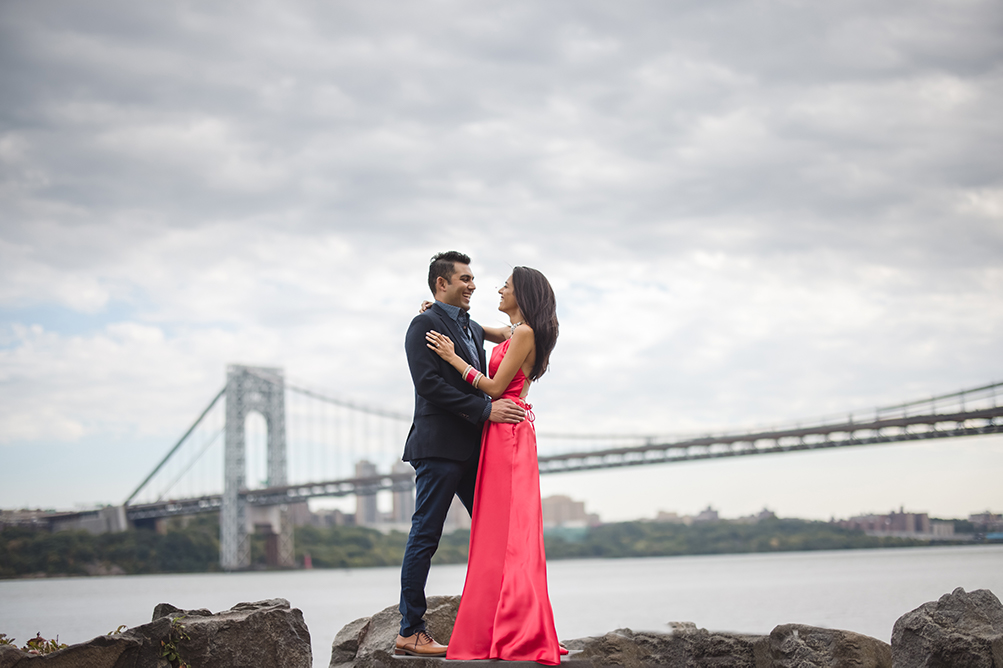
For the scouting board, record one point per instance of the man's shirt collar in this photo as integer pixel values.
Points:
(452, 311)
(462, 318)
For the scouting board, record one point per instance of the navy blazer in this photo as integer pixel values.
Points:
(447, 409)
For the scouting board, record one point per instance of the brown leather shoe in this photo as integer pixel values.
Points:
(419, 644)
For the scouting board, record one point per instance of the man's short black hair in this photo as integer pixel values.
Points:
(444, 264)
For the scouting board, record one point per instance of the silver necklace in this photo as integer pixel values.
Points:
(515, 325)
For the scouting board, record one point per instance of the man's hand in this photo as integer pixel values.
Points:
(506, 410)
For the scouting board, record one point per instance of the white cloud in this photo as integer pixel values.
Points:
(750, 213)
(27, 278)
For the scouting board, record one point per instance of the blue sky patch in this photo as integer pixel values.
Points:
(66, 321)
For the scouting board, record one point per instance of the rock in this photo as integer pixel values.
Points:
(148, 655)
(166, 609)
(265, 634)
(686, 645)
(960, 629)
(797, 646)
(10, 655)
(373, 637)
(345, 647)
(102, 652)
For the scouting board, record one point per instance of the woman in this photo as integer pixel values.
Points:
(505, 610)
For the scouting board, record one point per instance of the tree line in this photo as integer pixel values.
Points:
(193, 546)
(190, 549)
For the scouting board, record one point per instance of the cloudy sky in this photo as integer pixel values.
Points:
(752, 212)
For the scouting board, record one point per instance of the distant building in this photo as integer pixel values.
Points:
(29, 519)
(563, 511)
(299, 514)
(986, 522)
(366, 511)
(403, 507)
(672, 518)
(710, 515)
(904, 522)
(764, 514)
(100, 520)
(457, 517)
(901, 525)
(866, 523)
(322, 517)
(707, 515)
(942, 529)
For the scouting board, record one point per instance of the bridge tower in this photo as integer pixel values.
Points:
(250, 389)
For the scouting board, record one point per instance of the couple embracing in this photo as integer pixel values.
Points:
(473, 437)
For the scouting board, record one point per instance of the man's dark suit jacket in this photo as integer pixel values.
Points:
(447, 409)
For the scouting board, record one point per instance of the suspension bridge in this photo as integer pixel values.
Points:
(264, 443)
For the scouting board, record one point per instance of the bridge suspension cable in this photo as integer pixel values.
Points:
(344, 403)
(181, 441)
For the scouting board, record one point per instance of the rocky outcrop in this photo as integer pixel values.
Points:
(686, 645)
(369, 642)
(266, 634)
(345, 647)
(116, 651)
(960, 629)
(797, 646)
(788, 646)
(9, 655)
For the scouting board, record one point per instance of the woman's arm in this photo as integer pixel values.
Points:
(492, 334)
(518, 352)
(427, 372)
(497, 334)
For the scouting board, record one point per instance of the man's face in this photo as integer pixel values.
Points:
(461, 285)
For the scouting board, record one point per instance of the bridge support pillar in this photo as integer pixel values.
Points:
(250, 389)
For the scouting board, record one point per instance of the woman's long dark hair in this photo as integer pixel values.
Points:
(538, 304)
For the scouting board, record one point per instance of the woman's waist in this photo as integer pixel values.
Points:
(514, 396)
(521, 402)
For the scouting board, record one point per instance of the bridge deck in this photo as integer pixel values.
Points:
(811, 437)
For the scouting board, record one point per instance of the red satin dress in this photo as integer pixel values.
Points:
(505, 610)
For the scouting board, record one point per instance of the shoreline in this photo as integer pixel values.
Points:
(859, 590)
(877, 548)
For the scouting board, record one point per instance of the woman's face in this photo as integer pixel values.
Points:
(507, 303)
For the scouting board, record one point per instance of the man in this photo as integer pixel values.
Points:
(444, 443)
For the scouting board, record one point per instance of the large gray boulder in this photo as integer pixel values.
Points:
(800, 646)
(9, 655)
(266, 634)
(961, 629)
(118, 651)
(369, 642)
(685, 646)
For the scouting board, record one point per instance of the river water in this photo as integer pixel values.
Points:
(858, 590)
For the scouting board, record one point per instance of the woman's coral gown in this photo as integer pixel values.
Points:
(505, 610)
